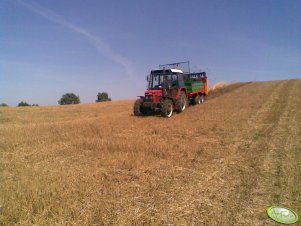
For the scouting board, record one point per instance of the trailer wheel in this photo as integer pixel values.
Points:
(202, 98)
(197, 99)
(182, 102)
(167, 108)
(137, 107)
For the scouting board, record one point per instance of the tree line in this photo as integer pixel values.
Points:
(68, 98)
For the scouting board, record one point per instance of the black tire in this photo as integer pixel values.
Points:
(137, 107)
(197, 100)
(167, 108)
(202, 99)
(182, 102)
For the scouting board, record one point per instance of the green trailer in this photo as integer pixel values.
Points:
(197, 86)
(193, 86)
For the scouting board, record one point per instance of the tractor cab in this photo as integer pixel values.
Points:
(162, 82)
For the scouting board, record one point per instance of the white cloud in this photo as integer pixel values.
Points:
(102, 46)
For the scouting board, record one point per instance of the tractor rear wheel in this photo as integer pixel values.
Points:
(137, 107)
(182, 102)
(167, 108)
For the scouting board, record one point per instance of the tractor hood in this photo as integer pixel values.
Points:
(153, 92)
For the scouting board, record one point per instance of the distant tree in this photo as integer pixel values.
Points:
(101, 97)
(69, 98)
(23, 104)
(35, 105)
(3, 105)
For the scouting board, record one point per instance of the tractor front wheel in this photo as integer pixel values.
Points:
(137, 107)
(182, 102)
(167, 108)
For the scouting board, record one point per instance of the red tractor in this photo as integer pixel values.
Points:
(171, 90)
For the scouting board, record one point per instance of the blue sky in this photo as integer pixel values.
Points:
(50, 47)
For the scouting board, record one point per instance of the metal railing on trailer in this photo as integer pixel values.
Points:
(184, 66)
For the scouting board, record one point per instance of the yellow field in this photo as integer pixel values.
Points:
(220, 163)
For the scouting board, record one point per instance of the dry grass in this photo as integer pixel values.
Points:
(96, 164)
(222, 88)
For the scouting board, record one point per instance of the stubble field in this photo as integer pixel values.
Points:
(220, 163)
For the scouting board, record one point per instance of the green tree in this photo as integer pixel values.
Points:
(23, 104)
(69, 98)
(104, 96)
(3, 105)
